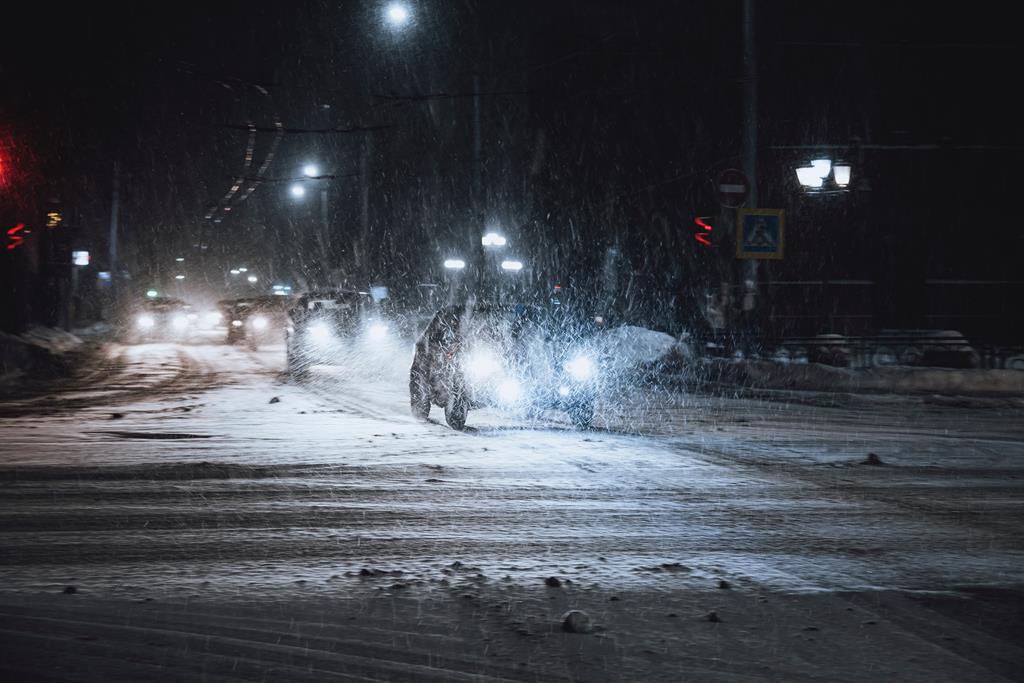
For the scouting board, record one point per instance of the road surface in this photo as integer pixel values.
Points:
(187, 512)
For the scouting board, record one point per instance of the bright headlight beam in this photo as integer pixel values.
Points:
(259, 323)
(482, 364)
(145, 321)
(510, 390)
(377, 331)
(581, 368)
(320, 333)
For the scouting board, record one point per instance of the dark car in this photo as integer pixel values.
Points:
(256, 320)
(321, 326)
(162, 319)
(514, 356)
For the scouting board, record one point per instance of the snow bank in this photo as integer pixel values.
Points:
(896, 380)
(40, 350)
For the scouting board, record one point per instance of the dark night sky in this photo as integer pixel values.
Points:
(637, 102)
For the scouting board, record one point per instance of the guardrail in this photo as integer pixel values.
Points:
(886, 350)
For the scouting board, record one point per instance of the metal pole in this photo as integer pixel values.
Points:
(749, 300)
(325, 240)
(750, 114)
(114, 208)
(364, 233)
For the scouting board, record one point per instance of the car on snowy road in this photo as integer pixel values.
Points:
(331, 327)
(162, 319)
(256, 320)
(513, 356)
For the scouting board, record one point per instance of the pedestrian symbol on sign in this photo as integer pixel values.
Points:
(760, 233)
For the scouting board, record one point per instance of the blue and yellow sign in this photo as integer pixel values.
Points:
(760, 233)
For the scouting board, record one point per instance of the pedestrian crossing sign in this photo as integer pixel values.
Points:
(760, 233)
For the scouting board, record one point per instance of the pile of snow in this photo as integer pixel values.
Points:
(50, 339)
(631, 346)
(39, 350)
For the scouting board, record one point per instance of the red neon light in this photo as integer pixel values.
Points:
(16, 240)
(701, 237)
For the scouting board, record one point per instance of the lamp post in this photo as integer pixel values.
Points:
(311, 173)
(454, 268)
(493, 242)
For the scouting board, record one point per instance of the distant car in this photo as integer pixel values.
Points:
(507, 356)
(323, 326)
(256, 320)
(163, 319)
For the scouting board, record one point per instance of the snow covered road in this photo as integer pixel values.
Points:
(173, 473)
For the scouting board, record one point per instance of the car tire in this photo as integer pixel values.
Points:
(296, 368)
(419, 395)
(582, 414)
(456, 410)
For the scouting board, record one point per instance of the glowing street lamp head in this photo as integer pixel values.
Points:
(454, 264)
(253, 279)
(493, 239)
(397, 14)
(310, 171)
(298, 191)
(514, 266)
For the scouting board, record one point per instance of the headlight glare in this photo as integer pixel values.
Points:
(510, 390)
(320, 333)
(581, 368)
(481, 364)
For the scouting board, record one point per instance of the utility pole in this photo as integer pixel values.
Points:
(114, 274)
(749, 302)
(750, 118)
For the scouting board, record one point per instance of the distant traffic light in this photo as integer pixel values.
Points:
(14, 236)
(704, 234)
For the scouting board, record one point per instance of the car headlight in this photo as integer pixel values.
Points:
(179, 322)
(320, 333)
(258, 322)
(145, 321)
(236, 323)
(581, 368)
(510, 390)
(377, 331)
(481, 364)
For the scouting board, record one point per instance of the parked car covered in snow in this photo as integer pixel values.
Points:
(515, 356)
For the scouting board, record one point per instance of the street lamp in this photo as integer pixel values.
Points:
(397, 14)
(512, 266)
(454, 264)
(813, 178)
(253, 279)
(179, 277)
(312, 172)
(493, 239)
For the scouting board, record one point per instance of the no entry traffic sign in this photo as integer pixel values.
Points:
(732, 188)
